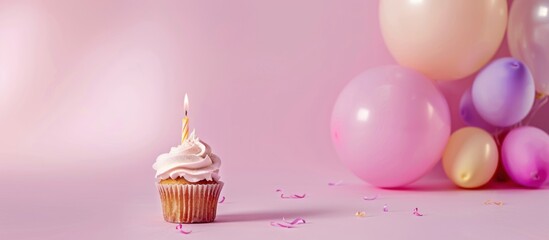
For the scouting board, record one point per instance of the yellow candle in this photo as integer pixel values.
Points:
(185, 121)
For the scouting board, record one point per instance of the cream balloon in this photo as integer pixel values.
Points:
(443, 39)
(470, 158)
(528, 38)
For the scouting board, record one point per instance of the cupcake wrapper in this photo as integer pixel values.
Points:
(189, 203)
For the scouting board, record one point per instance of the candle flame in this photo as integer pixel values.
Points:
(186, 105)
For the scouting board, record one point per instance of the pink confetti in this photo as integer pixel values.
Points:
(295, 221)
(275, 224)
(416, 212)
(333, 184)
(385, 208)
(282, 195)
(490, 202)
(370, 198)
(222, 199)
(180, 228)
(293, 196)
(288, 224)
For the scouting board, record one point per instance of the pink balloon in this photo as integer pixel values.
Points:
(390, 126)
(525, 156)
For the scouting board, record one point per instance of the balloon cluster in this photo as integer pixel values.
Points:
(501, 100)
(391, 125)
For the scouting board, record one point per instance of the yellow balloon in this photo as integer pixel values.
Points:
(443, 39)
(471, 157)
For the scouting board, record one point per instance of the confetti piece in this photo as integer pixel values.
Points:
(333, 184)
(282, 195)
(180, 228)
(222, 199)
(370, 198)
(275, 224)
(292, 196)
(288, 224)
(385, 209)
(295, 221)
(360, 214)
(416, 212)
(490, 202)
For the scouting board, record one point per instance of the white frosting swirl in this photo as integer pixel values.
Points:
(192, 160)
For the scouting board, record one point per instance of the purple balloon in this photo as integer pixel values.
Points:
(525, 156)
(503, 92)
(469, 113)
(390, 126)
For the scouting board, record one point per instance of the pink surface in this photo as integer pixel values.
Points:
(91, 92)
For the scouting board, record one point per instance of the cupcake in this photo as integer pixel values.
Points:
(188, 182)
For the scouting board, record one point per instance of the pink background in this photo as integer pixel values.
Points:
(91, 92)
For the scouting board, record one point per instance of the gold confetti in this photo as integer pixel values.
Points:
(360, 214)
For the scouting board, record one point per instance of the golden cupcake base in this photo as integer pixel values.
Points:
(189, 202)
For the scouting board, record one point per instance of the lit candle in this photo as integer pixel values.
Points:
(185, 130)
